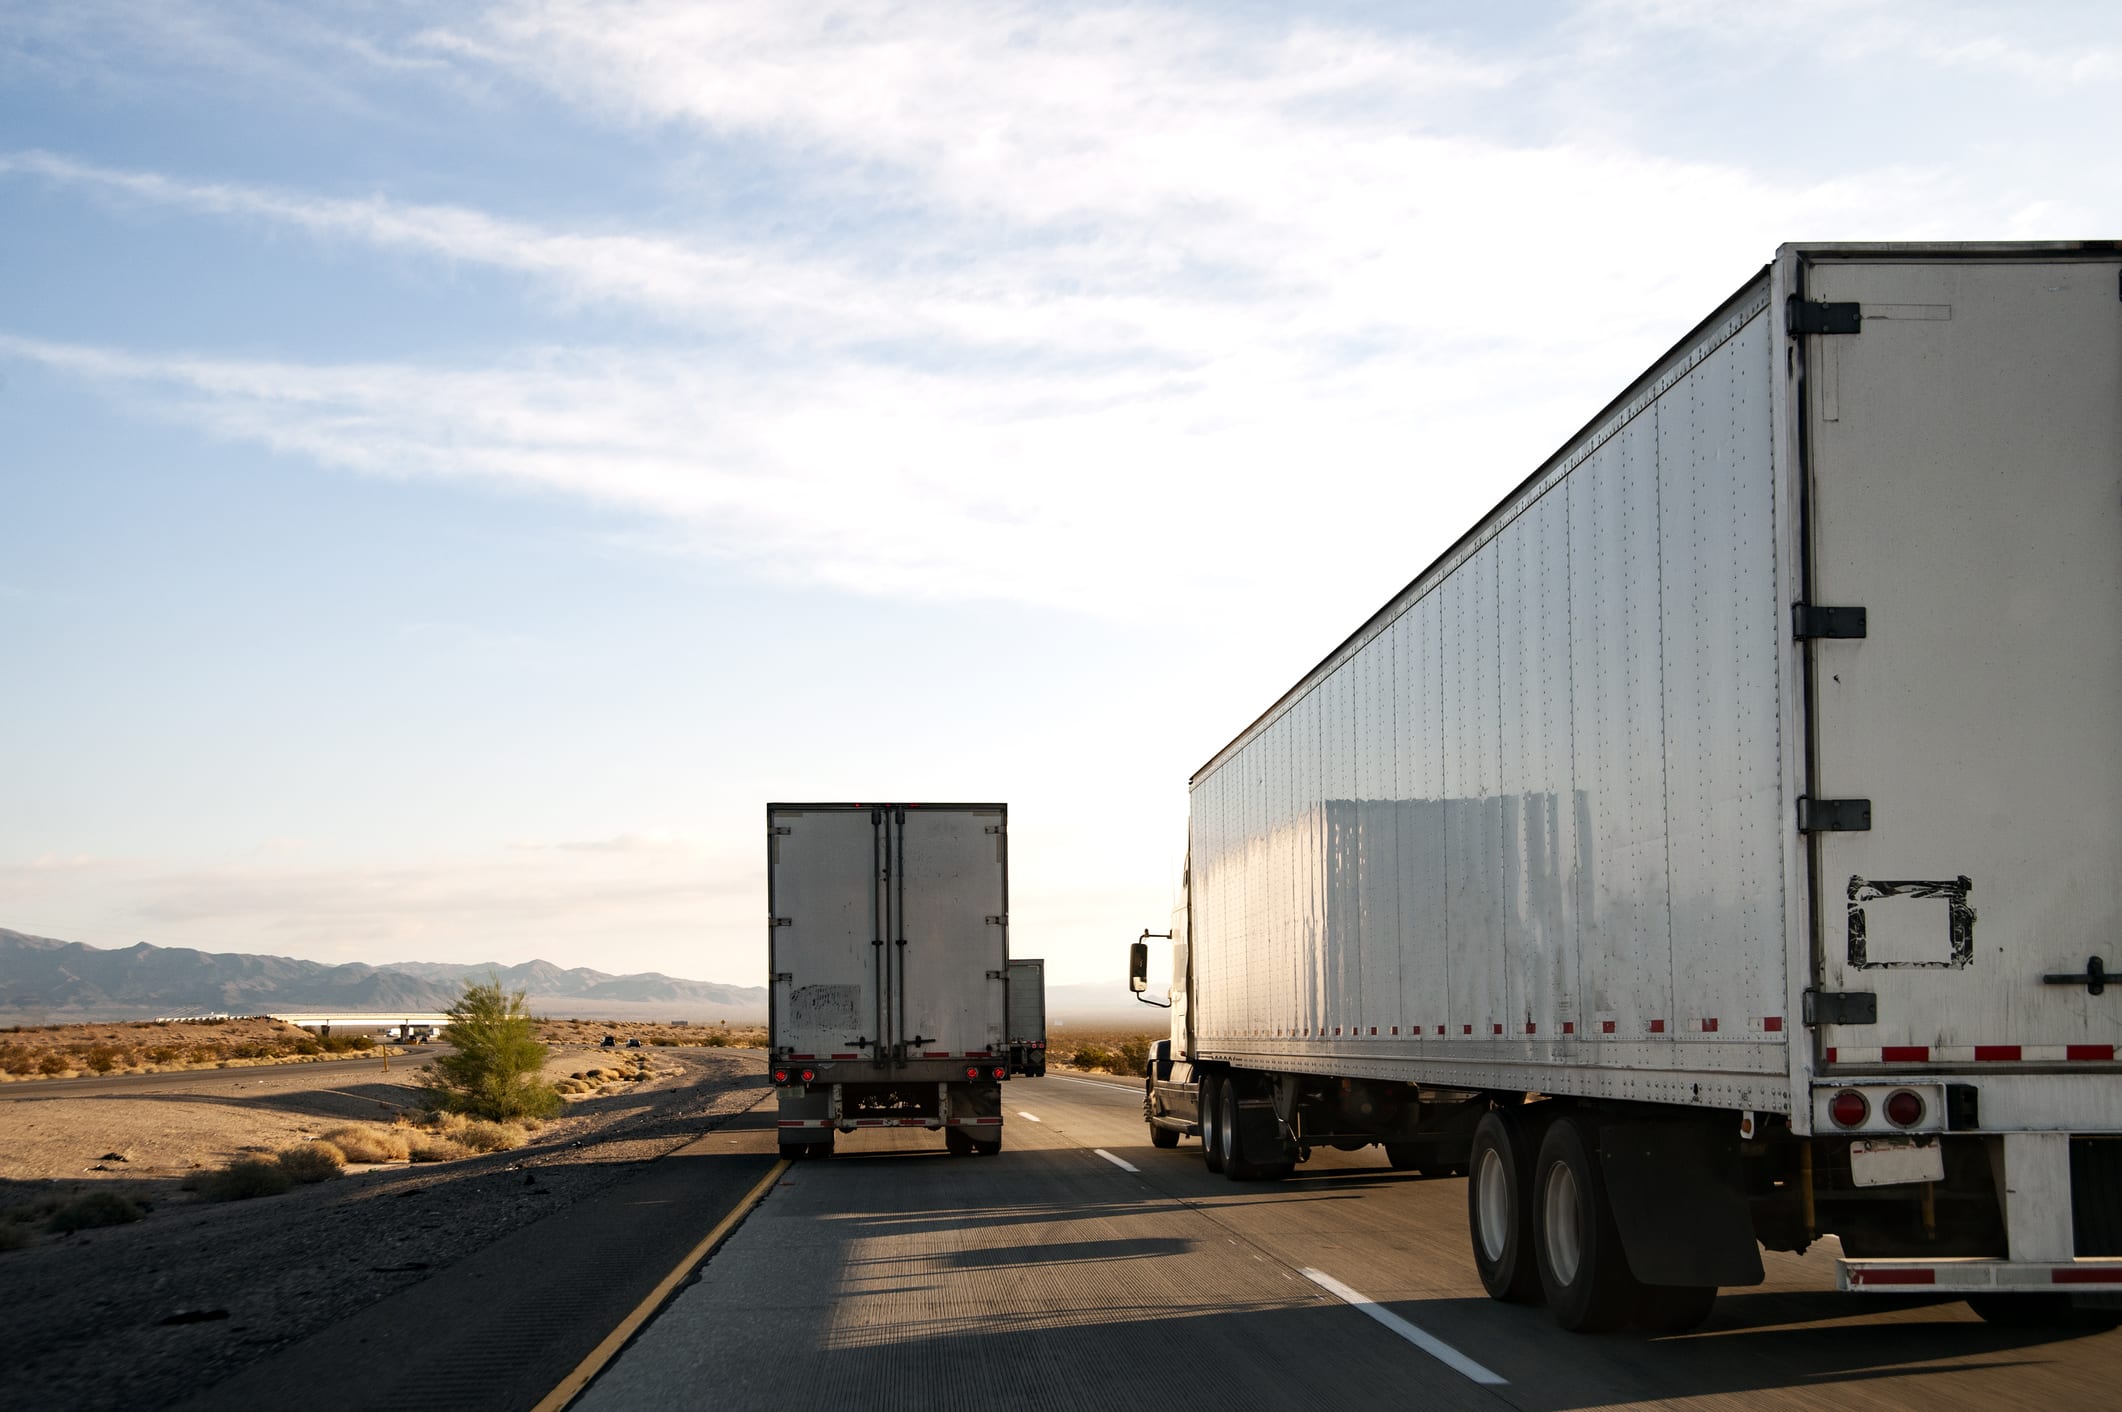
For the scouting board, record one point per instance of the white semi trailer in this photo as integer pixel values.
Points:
(1027, 1016)
(888, 956)
(1720, 846)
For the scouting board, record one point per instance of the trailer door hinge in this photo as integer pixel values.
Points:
(998, 975)
(1841, 1007)
(784, 921)
(779, 829)
(1820, 316)
(1834, 815)
(992, 828)
(1810, 621)
(783, 976)
(995, 921)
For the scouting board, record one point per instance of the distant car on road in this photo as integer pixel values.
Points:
(634, 1043)
(610, 1040)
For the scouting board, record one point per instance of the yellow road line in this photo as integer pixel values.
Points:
(571, 1386)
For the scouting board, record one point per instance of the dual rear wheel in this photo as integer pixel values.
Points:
(1543, 1228)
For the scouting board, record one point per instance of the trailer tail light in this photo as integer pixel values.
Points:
(1903, 1108)
(809, 1075)
(1001, 1071)
(972, 1071)
(1849, 1109)
(780, 1076)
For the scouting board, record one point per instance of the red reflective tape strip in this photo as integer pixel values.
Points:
(1466, 1029)
(2087, 1275)
(1373, 1029)
(936, 1054)
(802, 1056)
(1440, 1029)
(1996, 1051)
(1709, 1025)
(1531, 1028)
(1396, 1029)
(1606, 1027)
(2089, 1051)
(1904, 1054)
(1657, 1027)
(1773, 1024)
(1569, 1027)
(1893, 1277)
(1496, 1027)
(1830, 1054)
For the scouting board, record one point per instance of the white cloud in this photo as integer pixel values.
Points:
(1113, 301)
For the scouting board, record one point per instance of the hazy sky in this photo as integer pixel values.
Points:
(458, 463)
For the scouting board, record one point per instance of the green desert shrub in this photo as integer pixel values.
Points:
(312, 1162)
(245, 1178)
(498, 1067)
(97, 1208)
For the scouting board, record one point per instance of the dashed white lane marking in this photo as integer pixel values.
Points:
(1435, 1347)
(1027, 1117)
(1124, 1090)
(1123, 1166)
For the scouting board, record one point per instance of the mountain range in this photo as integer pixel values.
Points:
(44, 981)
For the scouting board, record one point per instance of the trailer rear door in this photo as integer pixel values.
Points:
(1966, 492)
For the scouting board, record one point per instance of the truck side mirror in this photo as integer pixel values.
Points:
(1138, 966)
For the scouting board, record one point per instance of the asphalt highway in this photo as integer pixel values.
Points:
(245, 1079)
(1084, 1268)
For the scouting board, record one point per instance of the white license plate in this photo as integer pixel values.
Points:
(1888, 1162)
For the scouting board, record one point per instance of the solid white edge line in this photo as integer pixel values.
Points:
(1123, 1166)
(1027, 1117)
(1435, 1347)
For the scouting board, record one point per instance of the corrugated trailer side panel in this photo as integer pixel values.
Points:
(1533, 815)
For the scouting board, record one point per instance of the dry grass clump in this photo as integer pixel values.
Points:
(363, 1142)
(482, 1136)
(245, 1178)
(96, 1209)
(435, 1148)
(312, 1162)
(470, 1134)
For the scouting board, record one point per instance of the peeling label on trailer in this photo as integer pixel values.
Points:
(825, 1007)
(1899, 926)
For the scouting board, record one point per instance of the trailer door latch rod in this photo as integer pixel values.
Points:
(2094, 980)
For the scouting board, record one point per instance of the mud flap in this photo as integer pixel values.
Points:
(1675, 1196)
(1259, 1129)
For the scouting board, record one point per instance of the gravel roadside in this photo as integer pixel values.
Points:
(143, 1315)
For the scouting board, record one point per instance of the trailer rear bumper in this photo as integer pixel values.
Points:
(2087, 1275)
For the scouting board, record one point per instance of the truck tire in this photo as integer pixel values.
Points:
(1209, 1096)
(1583, 1269)
(1163, 1137)
(1498, 1214)
(1235, 1167)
